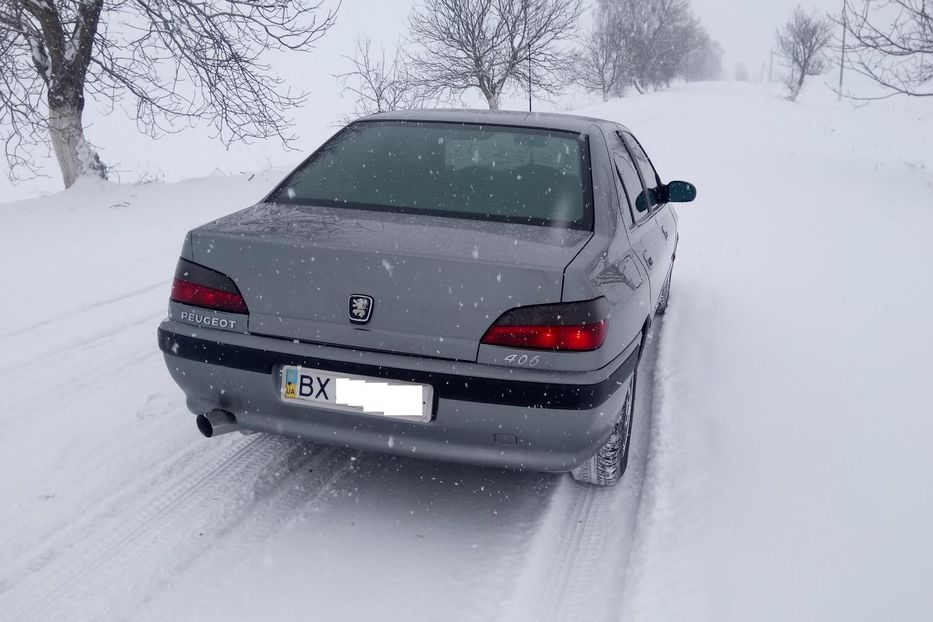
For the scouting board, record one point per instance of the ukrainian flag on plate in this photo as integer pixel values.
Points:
(291, 383)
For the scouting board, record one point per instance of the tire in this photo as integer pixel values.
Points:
(608, 465)
(664, 297)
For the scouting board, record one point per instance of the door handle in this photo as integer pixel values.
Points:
(664, 231)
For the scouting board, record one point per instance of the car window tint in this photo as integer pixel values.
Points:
(648, 174)
(451, 169)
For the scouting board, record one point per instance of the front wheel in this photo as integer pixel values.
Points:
(608, 465)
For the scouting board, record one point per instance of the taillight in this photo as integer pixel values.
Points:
(202, 287)
(572, 327)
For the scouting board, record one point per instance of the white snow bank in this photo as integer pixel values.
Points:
(790, 445)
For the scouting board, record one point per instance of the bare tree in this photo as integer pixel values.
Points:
(171, 60)
(893, 44)
(490, 44)
(703, 60)
(801, 42)
(654, 37)
(599, 64)
(380, 83)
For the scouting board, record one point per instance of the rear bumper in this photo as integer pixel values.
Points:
(495, 416)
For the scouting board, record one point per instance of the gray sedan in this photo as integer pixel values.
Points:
(455, 285)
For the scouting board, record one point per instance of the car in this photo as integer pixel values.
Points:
(464, 286)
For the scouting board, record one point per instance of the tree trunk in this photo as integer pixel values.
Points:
(493, 100)
(65, 59)
(76, 157)
(799, 87)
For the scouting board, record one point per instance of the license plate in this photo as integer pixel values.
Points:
(357, 394)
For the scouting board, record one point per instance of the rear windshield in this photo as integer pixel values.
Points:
(483, 172)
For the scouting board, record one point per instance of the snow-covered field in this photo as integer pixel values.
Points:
(782, 450)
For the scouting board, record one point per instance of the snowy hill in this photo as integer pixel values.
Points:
(781, 457)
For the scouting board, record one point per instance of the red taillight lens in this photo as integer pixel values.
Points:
(571, 327)
(203, 296)
(573, 338)
(203, 287)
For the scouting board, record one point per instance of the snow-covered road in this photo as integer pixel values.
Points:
(781, 450)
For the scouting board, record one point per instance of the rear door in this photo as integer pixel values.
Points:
(644, 234)
(661, 213)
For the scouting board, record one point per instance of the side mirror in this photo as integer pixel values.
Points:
(681, 192)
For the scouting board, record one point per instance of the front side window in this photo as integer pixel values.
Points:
(495, 173)
(648, 174)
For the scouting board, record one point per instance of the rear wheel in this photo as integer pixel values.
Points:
(608, 465)
(665, 295)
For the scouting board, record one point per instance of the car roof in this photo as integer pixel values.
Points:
(544, 120)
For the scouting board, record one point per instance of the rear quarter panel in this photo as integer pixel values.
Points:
(608, 266)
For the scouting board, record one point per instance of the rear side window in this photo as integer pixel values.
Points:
(648, 174)
(495, 173)
(632, 185)
(629, 180)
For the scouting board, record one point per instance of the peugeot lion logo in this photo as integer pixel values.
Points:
(361, 308)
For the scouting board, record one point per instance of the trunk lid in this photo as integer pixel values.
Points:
(437, 283)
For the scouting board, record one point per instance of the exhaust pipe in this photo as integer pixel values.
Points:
(216, 422)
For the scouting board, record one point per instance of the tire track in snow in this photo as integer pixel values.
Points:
(94, 364)
(208, 498)
(295, 495)
(673, 572)
(162, 500)
(579, 560)
(61, 348)
(563, 575)
(137, 257)
(73, 314)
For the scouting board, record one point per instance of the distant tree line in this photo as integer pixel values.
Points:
(645, 45)
(492, 46)
(177, 62)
